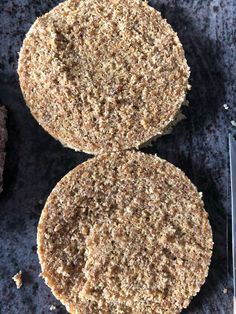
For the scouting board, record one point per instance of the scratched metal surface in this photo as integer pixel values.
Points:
(198, 145)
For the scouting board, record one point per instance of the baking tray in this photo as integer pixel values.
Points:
(198, 145)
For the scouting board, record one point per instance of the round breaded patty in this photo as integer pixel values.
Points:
(103, 75)
(125, 233)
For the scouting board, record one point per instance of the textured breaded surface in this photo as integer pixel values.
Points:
(124, 233)
(3, 139)
(103, 75)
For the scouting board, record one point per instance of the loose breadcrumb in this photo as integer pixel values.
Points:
(18, 279)
(52, 308)
(226, 106)
(124, 233)
(233, 123)
(225, 290)
(102, 77)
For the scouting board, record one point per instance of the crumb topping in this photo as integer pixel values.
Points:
(125, 233)
(103, 75)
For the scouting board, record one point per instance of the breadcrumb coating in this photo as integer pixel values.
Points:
(103, 75)
(125, 233)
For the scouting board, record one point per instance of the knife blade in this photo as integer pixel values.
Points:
(232, 154)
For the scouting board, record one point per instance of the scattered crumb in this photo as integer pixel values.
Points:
(52, 308)
(233, 123)
(226, 106)
(225, 290)
(40, 202)
(18, 279)
(200, 194)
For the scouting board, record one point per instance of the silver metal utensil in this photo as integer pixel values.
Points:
(232, 153)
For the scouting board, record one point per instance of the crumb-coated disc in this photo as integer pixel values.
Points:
(125, 233)
(103, 75)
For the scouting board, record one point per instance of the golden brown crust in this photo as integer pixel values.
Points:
(102, 75)
(124, 233)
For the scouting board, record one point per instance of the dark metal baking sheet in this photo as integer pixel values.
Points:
(198, 145)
